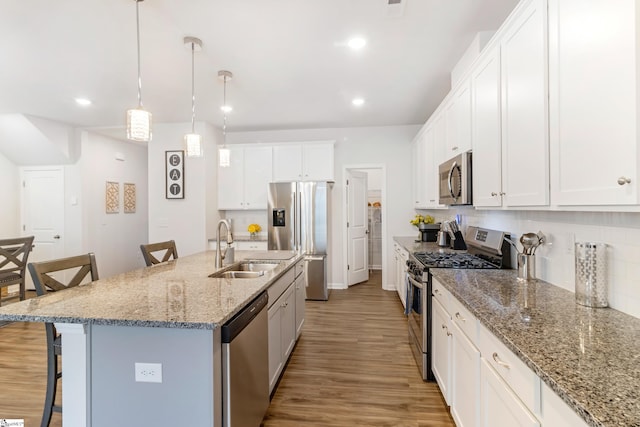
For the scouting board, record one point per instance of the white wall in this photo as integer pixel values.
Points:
(555, 261)
(115, 238)
(389, 146)
(10, 206)
(188, 221)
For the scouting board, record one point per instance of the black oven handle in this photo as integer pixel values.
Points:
(415, 283)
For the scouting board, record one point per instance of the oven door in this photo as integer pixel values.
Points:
(418, 316)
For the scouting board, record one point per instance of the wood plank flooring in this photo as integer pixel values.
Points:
(351, 367)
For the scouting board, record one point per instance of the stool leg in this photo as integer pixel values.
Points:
(52, 373)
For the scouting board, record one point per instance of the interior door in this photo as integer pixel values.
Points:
(43, 212)
(357, 228)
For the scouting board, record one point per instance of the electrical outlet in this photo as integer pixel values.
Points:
(148, 372)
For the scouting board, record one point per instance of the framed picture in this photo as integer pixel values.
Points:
(129, 197)
(112, 197)
(174, 163)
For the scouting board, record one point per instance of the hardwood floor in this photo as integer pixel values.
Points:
(353, 367)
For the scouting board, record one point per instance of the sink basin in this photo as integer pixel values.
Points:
(238, 274)
(245, 270)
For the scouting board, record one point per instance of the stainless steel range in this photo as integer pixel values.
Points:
(486, 249)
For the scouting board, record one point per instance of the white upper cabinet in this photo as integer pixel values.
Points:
(525, 108)
(418, 181)
(303, 162)
(244, 183)
(593, 80)
(458, 118)
(486, 131)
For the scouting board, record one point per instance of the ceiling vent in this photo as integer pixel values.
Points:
(395, 8)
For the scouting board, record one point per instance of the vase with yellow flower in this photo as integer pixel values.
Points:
(253, 230)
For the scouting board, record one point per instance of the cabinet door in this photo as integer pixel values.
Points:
(276, 361)
(465, 386)
(287, 163)
(301, 296)
(418, 181)
(231, 181)
(257, 176)
(487, 132)
(317, 162)
(499, 405)
(440, 360)
(525, 162)
(458, 113)
(593, 82)
(288, 324)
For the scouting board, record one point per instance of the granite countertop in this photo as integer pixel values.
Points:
(175, 294)
(589, 356)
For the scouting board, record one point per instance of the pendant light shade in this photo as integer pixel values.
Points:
(193, 141)
(224, 154)
(138, 119)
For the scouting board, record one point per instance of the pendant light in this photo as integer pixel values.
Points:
(138, 120)
(224, 154)
(193, 141)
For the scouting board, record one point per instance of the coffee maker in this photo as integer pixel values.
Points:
(428, 232)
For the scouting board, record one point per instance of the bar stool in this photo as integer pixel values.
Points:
(169, 248)
(41, 273)
(13, 262)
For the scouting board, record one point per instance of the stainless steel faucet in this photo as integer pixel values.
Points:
(220, 255)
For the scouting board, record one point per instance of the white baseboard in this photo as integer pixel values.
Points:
(336, 286)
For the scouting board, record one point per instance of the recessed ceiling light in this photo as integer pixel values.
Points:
(357, 102)
(356, 43)
(84, 102)
(226, 108)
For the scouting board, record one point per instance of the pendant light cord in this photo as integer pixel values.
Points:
(224, 116)
(193, 91)
(138, 37)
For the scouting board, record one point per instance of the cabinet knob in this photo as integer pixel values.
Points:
(494, 194)
(436, 291)
(502, 193)
(624, 180)
(459, 317)
(454, 148)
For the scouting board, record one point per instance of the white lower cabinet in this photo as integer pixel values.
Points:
(401, 255)
(441, 354)
(465, 388)
(499, 405)
(251, 245)
(300, 285)
(555, 412)
(282, 333)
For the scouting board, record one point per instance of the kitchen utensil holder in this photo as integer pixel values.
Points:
(591, 274)
(526, 267)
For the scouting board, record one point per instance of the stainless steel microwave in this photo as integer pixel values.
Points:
(454, 177)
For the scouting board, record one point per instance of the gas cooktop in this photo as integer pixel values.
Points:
(454, 260)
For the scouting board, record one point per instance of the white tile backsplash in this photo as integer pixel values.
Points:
(556, 259)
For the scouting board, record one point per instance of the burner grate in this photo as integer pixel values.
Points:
(454, 260)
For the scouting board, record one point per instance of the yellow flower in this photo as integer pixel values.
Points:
(254, 228)
(427, 219)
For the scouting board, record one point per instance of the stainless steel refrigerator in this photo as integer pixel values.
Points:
(299, 215)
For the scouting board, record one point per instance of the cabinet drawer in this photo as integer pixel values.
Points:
(441, 294)
(522, 380)
(466, 321)
(280, 286)
(299, 267)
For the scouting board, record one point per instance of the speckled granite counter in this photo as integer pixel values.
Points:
(589, 357)
(140, 297)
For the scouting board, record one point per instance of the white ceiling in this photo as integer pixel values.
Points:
(291, 68)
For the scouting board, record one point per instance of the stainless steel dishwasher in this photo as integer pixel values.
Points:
(245, 366)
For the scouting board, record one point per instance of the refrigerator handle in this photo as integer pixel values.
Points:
(296, 224)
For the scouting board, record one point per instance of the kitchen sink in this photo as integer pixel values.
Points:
(245, 270)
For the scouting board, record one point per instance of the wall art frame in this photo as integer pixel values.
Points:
(174, 176)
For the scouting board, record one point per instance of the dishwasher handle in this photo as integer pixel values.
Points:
(233, 327)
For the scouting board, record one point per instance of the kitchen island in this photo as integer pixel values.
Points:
(168, 314)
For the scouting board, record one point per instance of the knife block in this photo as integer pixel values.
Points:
(458, 242)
